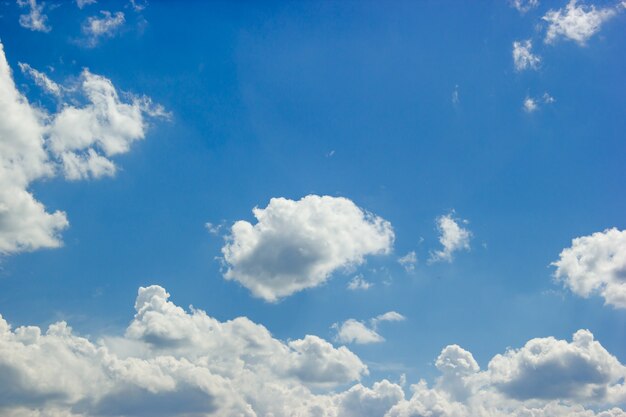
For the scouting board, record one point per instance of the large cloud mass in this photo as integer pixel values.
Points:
(596, 264)
(175, 363)
(77, 142)
(298, 244)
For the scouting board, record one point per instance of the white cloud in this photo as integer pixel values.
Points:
(83, 3)
(213, 229)
(35, 145)
(455, 95)
(530, 105)
(177, 363)
(298, 244)
(547, 368)
(577, 22)
(35, 19)
(96, 28)
(41, 79)
(596, 264)
(452, 237)
(388, 316)
(359, 283)
(524, 6)
(138, 5)
(523, 58)
(354, 331)
(408, 261)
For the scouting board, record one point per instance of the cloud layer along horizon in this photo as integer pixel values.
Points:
(175, 363)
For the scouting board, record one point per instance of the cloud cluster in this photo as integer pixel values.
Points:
(35, 19)
(532, 104)
(177, 363)
(523, 58)
(298, 244)
(76, 141)
(577, 22)
(452, 236)
(596, 264)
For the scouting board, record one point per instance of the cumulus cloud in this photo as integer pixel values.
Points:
(177, 363)
(452, 236)
(75, 141)
(596, 264)
(524, 6)
(298, 244)
(95, 28)
(523, 58)
(577, 22)
(354, 331)
(547, 368)
(35, 19)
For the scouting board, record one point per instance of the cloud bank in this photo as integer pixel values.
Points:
(176, 363)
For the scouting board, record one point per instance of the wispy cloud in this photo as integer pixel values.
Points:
(35, 19)
(106, 26)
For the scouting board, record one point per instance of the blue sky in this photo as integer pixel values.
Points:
(495, 128)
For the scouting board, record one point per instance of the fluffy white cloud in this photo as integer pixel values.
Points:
(107, 25)
(354, 331)
(177, 363)
(596, 264)
(77, 141)
(547, 368)
(577, 22)
(452, 236)
(298, 244)
(523, 58)
(35, 19)
(523, 6)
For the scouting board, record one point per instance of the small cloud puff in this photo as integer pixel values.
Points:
(452, 236)
(354, 331)
(523, 58)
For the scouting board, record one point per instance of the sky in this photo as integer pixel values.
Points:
(408, 209)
